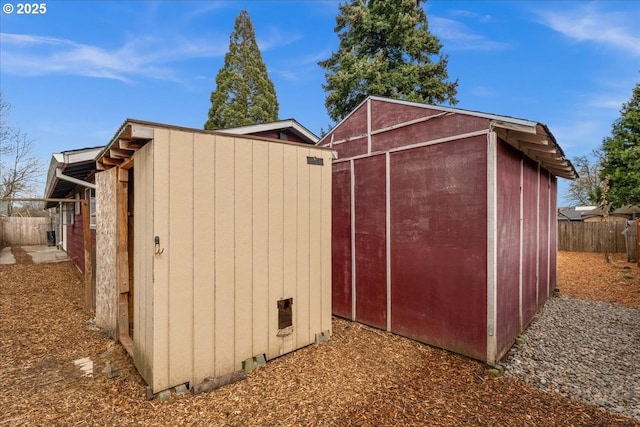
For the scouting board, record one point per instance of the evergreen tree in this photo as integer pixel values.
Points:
(244, 94)
(621, 151)
(385, 50)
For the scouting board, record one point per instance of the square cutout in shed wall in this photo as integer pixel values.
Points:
(285, 313)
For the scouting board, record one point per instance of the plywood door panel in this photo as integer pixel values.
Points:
(181, 186)
(315, 247)
(326, 242)
(553, 232)
(260, 270)
(224, 256)
(543, 238)
(529, 241)
(289, 240)
(159, 282)
(370, 241)
(243, 250)
(143, 320)
(106, 233)
(508, 245)
(275, 252)
(203, 257)
(301, 305)
(341, 240)
(439, 245)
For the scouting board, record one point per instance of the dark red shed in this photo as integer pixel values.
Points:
(444, 223)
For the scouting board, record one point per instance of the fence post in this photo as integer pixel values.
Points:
(638, 241)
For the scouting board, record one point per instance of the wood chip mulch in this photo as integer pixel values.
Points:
(596, 277)
(362, 376)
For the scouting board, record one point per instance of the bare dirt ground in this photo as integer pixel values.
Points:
(361, 376)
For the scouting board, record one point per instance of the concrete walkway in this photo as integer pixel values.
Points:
(39, 254)
(6, 256)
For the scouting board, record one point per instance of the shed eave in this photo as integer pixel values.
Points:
(539, 144)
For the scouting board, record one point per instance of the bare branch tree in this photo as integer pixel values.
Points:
(19, 169)
(586, 190)
(5, 130)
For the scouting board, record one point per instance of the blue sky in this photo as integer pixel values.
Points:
(76, 72)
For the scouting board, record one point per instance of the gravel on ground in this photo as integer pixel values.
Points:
(581, 347)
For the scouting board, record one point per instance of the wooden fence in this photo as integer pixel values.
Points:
(598, 236)
(24, 231)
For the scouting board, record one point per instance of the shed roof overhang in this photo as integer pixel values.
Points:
(537, 142)
(129, 138)
(67, 170)
(134, 134)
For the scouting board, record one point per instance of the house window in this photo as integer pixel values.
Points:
(90, 196)
(77, 204)
(68, 211)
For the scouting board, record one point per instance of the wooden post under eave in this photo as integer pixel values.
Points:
(123, 261)
(88, 262)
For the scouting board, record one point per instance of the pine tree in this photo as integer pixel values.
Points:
(244, 94)
(385, 49)
(621, 161)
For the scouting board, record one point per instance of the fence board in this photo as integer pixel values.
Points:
(24, 231)
(599, 236)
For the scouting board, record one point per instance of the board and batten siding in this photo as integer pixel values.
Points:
(241, 223)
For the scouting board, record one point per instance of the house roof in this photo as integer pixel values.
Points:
(78, 164)
(133, 134)
(532, 138)
(290, 124)
(574, 213)
(580, 213)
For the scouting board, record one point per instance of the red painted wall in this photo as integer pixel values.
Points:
(370, 241)
(530, 241)
(341, 240)
(442, 127)
(553, 233)
(75, 241)
(508, 244)
(439, 245)
(543, 264)
(438, 228)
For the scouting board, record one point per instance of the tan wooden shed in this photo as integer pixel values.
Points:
(221, 245)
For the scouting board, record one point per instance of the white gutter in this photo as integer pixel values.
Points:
(73, 180)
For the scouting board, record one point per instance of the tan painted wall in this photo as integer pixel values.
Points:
(243, 224)
(106, 235)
